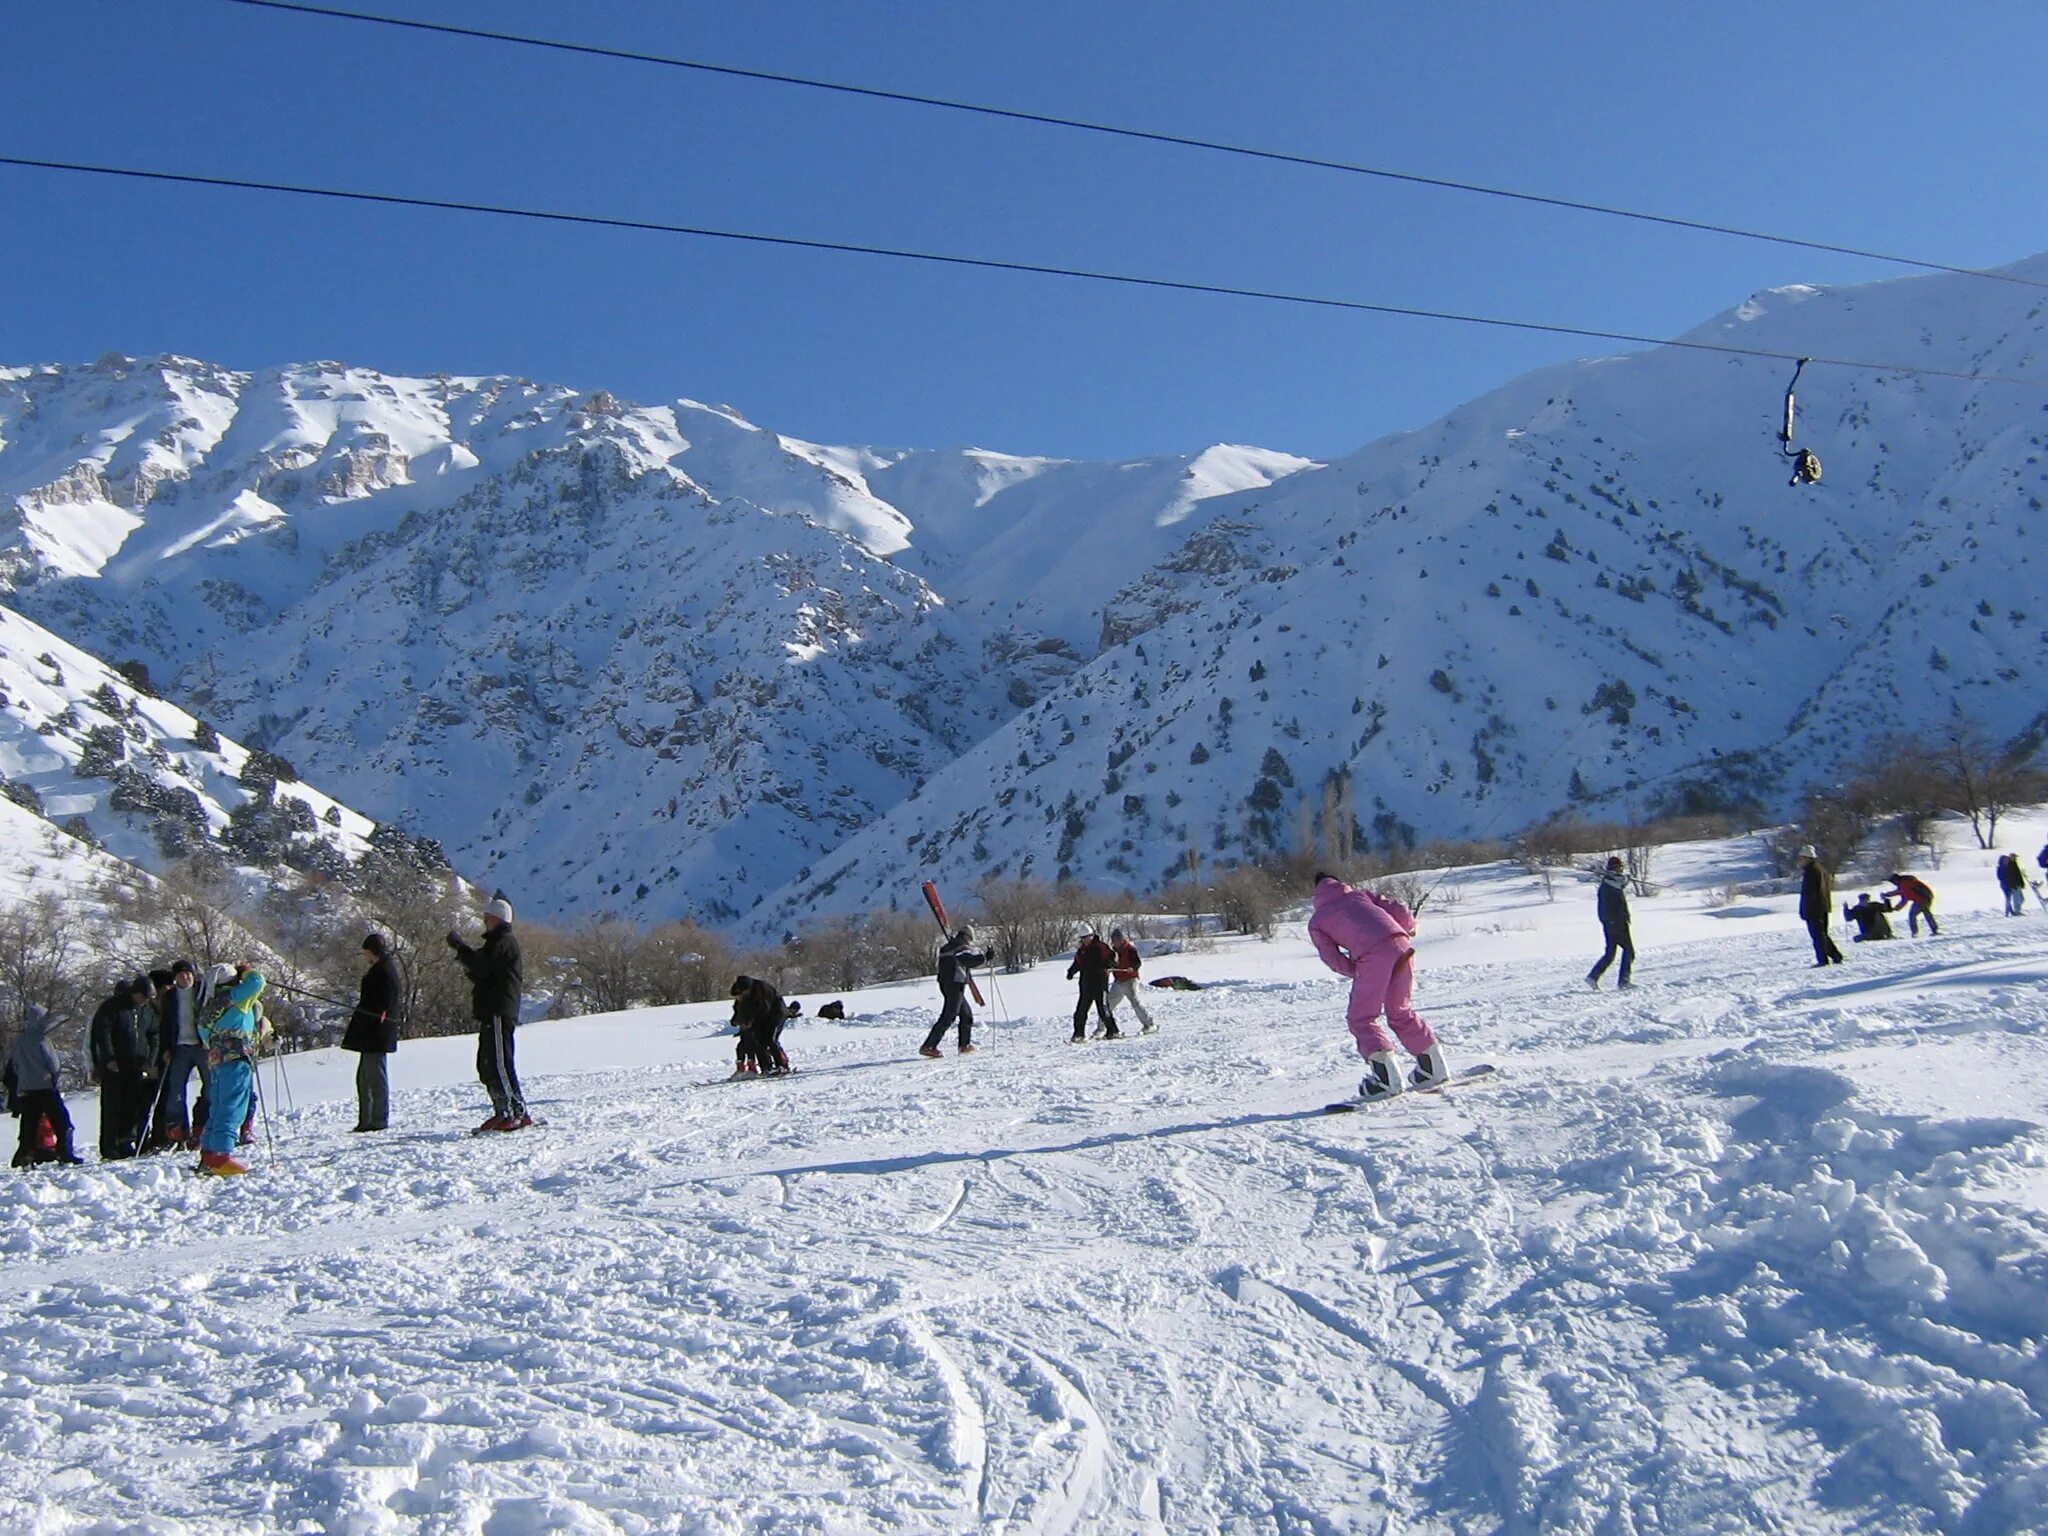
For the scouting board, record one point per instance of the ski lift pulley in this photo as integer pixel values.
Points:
(1805, 463)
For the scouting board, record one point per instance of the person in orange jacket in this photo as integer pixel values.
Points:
(1123, 980)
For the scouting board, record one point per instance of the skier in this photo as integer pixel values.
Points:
(2013, 881)
(122, 1043)
(1914, 897)
(231, 1037)
(1869, 917)
(1123, 985)
(1613, 907)
(1817, 906)
(1369, 938)
(496, 972)
(373, 1033)
(215, 984)
(34, 1080)
(957, 957)
(758, 1011)
(1091, 963)
(182, 1053)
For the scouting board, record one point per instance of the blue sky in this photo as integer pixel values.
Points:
(1891, 125)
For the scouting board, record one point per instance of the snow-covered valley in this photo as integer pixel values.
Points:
(1752, 1247)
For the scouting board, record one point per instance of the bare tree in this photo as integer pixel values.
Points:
(683, 963)
(604, 964)
(1984, 780)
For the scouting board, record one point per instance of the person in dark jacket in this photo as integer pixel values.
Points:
(759, 1014)
(496, 972)
(34, 1091)
(179, 1050)
(1092, 963)
(1915, 897)
(2012, 881)
(373, 1033)
(1817, 906)
(1613, 908)
(957, 957)
(1869, 917)
(123, 1046)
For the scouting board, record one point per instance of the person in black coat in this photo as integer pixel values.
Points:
(1092, 962)
(1614, 925)
(1817, 906)
(123, 1044)
(1870, 919)
(373, 1033)
(496, 972)
(759, 1013)
(957, 957)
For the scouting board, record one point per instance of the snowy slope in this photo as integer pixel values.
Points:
(1751, 1248)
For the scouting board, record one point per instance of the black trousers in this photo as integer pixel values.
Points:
(35, 1103)
(1618, 942)
(1824, 951)
(126, 1097)
(373, 1091)
(495, 1068)
(1094, 993)
(956, 1007)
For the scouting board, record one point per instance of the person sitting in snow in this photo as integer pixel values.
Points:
(34, 1092)
(1915, 897)
(1870, 919)
(1370, 938)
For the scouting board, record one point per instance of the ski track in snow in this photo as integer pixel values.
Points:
(1718, 1254)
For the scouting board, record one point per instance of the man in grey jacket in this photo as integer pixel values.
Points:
(34, 1091)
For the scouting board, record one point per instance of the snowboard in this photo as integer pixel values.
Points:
(1486, 1073)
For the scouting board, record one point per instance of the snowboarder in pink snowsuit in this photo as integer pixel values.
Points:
(1367, 937)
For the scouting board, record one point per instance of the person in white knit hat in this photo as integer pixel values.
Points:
(496, 973)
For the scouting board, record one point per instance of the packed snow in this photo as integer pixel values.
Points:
(1752, 1247)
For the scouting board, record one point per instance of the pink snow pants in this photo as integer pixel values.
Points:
(1382, 983)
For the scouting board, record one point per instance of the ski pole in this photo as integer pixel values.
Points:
(290, 1101)
(263, 1109)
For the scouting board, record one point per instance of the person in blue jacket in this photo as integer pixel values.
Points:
(230, 1037)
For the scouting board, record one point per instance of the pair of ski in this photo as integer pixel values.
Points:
(1484, 1075)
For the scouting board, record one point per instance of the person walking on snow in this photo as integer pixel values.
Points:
(34, 1091)
(1369, 938)
(1091, 963)
(373, 1033)
(1817, 906)
(957, 957)
(496, 972)
(1123, 983)
(2013, 881)
(1614, 926)
(230, 1037)
(1915, 897)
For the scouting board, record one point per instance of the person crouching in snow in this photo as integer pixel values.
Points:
(1368, 937)
(230, 1038)
(957, 957)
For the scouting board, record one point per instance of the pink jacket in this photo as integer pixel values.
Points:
(1348, 923)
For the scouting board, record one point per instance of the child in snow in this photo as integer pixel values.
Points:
(957, 957)
(230, 1048)
(1869, 918)
(1368, 937)
(1123, 983)
(34, 1080)
(1091, 963)
(1915, 897)
(1614, 926)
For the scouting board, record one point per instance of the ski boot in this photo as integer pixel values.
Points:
(965, 1050)
(1430, 1071)
(930, 1050)
(1381, 1080)
(219, 1165)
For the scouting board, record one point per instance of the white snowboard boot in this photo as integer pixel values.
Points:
(1382, 1078)
(1430, 1070)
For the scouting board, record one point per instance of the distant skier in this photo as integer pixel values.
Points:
(231, 1041)
(2012, 880)
(957, 957)
(1091, 963)
(373, 1033)
(1817, 906)
(1369, 938)
(1870, 919)
(1123, 980)
(496, 972)
(1915, 897)
(759, 1013)
(34, 1092)
(1613, 908)
(123, 1046)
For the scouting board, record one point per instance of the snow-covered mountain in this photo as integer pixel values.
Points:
(661, 659)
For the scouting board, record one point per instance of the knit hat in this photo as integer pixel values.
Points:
(374, 943)
(499, 908)
(1615, 862)
(184, 968)
(963, 935)
(1116, 935)
(1808, 851)
(159, 978)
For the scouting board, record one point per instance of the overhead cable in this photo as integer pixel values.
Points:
(996, 264)
(1144, 135)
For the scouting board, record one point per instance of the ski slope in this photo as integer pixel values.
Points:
(1751, 1248)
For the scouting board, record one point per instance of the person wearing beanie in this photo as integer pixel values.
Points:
(957, 957)
(373, 1033)
(1091, 963)
(1817, 906)
(496, 972)
(34, 1092)
(123, 1046)
(1370, 938)
(180, 1051)
(1613, 907)
(1123, 980)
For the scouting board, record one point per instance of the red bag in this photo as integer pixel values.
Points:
(46, 1134)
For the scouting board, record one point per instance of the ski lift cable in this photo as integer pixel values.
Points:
(1142, 135)
(997, 264)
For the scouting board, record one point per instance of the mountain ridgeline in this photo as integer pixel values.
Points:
(660, 660)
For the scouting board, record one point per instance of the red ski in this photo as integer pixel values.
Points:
(931, 896)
